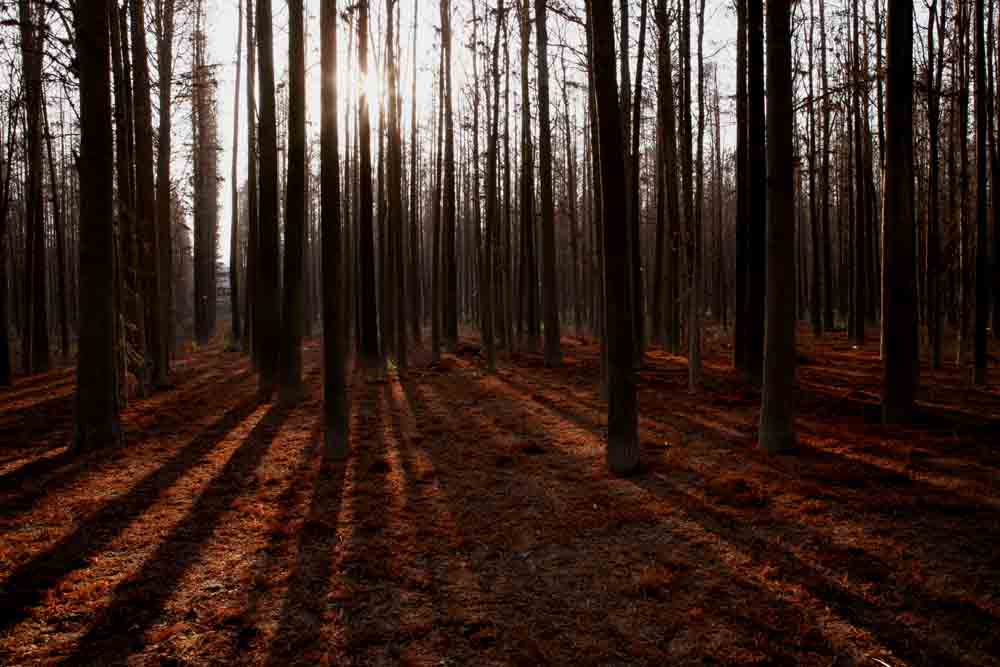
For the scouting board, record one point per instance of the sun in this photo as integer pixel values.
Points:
(369, 85)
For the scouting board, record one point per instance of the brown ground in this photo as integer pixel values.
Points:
(475, 522)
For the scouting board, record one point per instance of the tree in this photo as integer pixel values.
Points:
(982, 200)
(290, 373)
(396, 192)
(756, 194)
(449, 264)
(164, 22)
(96, 423)
(550, 293)
(234, 234)
(368, 336)
(623, 435)
(528, 302)
(145, 201)
(899, 303)
(37, 354)
(266, 305)
(253, 344)
(777, 433)
(335, 410)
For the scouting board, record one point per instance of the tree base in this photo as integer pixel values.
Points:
(778, 441)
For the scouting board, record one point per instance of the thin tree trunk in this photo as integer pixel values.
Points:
(234, 233)
(982, 200)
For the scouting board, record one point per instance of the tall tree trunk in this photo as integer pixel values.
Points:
(369, 339)
(777, 430)
(290, 374)
(416, 308)
(234, 232)
(635, 215)
(164, 219)
(743, 170)
(815, 312)
(96, 422)
(860, 209)
(58, 223)
(395, 169)
(335, 409)
(982, 200)
(267, 305)
(550, 291)
(528, 319)
(448, 245)
(37, 358)
(934, 267)
(695, 284)
(825, 185)
(757, 193)
(899, 303)
(253, 234)
(145, 208)
(623, 436)
(492, 201)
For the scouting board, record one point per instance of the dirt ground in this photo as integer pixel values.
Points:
(475, 522)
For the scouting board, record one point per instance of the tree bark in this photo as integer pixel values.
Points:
(901, 370)
(777, 431)
(96, 423)
(267, 304)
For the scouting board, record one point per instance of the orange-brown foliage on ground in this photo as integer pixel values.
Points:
(475, 522)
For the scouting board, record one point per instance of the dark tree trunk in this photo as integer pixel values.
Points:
(234, 232)
(267, 304)
(37, 354)
(757, 193)
(145, 201)
(335, 409)
(623, 436)
(369, 339)
(901, 371)
(96, 423)
(164, 219)
(982, 200)
(528, 312)
(252, 345)
(448, 246)
(290, 373)
(777, 430)
(550, 291)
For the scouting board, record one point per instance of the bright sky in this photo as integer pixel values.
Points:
(720, 26)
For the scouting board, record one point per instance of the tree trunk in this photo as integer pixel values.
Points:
(267, 305)
(777, 431)
(528, 312)
(164, 219)
(335, 408)
(96, 404)
(623, 436)
(448, 231)
(982, 201)
(757, 193)
(290, 374)
(253, 234)
(234, 233)
(901, 370)
(369, 340)
(145, 201)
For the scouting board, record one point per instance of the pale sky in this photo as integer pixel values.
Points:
(720, 27)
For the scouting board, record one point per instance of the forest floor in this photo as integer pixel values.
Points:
(475, 522)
